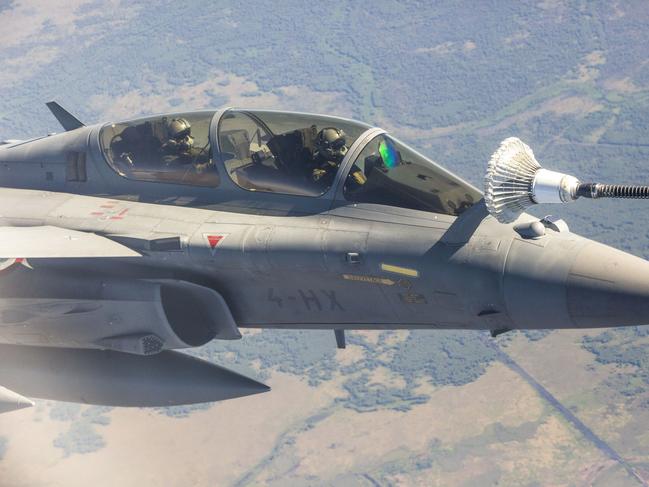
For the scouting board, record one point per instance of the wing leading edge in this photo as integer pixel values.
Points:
(53, 242)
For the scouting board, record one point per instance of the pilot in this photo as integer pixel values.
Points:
(329, 151)
(179, 147)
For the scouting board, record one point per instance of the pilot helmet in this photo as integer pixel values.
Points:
(330, 144)
(179, 128)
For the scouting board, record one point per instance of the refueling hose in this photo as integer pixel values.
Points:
(598, 190)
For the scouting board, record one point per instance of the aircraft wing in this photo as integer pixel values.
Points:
(106, 338)
(50, 242)
(54, 242)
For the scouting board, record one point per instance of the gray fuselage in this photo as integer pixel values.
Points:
(286, 261)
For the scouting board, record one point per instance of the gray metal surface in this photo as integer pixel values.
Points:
(65, 118)
(53, 242)
(117, 379)
(11, 401)
(110, 270)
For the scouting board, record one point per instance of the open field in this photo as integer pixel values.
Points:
(495, 428)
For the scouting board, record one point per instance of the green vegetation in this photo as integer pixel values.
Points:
(364, 397)
(624, 347)
(64, 411)
(437, 357)
(183, 411)
(441, 357)
(82, 436)
(307, 353)
(534, 335)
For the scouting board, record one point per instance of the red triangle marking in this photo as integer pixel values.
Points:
(214, 240)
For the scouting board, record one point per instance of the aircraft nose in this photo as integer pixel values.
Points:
(607, 287)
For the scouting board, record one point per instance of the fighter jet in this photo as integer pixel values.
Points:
(123, 242)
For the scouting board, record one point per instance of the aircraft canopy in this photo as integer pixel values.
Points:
(173, 148)
(286, 153)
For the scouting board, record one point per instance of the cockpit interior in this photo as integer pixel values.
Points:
(393, 174)
(172, 149)
(284, 153)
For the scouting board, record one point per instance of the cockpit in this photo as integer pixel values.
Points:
(173, 148)
(387, 172)
(283, 153)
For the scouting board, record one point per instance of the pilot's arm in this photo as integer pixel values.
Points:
(323, 170)
(356, 177)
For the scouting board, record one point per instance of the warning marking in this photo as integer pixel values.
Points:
(369, 279)
(110, 213)
(8, 263)
(120, 215)
(413, 298)
(214, 240)
(405, 271)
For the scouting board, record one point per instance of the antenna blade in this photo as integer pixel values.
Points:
(340, 338)
(65, 118)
